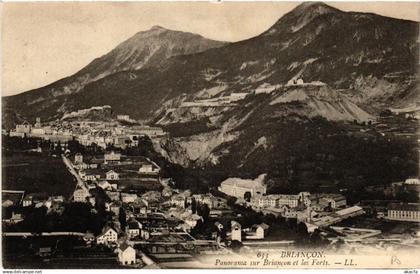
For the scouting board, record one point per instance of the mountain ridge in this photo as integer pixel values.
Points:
(299, 102)
(360, 53)
(146, 51)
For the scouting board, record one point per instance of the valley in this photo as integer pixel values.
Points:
(173, 147)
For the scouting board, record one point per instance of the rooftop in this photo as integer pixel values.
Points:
(124, 246)
(348, 210)
(133, 225)
(245, 183)
(404, 206)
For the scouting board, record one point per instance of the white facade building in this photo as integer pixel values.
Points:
(108, 236)
(404, 212)
(23, 128)
(236, 231)
(149, 169)
(237, 187)
(412, 181)
(112, 157)
(126, 254)
(80, 195)
(112, 175)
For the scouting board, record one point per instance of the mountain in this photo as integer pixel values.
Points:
(371, 58)
(145, 49)
(275, 103)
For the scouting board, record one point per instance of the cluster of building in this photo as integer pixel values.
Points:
(86, 132)
(234, 231)
(392, 210)
(160, 220)
(182, 203)
(115, 173)
(314, 209)
(152, 217)
(18, 200)
(255, 232)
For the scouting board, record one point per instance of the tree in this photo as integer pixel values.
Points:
(302, 229)
(386, 113)
(235, 245)
(316, 238)
(205, 212)
(231, 201)
(193, 206)
(302, 232)
(35, 220)
(74, 146)
(122, 218)
(57, 148)
(269, 219)
(199, 209)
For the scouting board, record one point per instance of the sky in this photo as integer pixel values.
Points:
(45, 41)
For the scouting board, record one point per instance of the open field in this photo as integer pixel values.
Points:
(36, 172)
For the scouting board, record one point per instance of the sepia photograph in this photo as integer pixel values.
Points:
(210, 135)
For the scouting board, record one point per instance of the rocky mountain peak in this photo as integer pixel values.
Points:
(314, 8)
(153, 46)
(157, 27)
(144, 49)
(301, 16)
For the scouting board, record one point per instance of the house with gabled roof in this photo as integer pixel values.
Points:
(108, 236)
(115, 207)
(112, 175)
(112, 158)
(133, 228)
(80, 194)
(126, 254)
(27, 201)
(260, 230)
(139, 206)
(149, 169)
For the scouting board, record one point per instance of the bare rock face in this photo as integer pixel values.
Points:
(97, 113)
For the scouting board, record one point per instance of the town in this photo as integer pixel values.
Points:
(88, 131)
(125, 211)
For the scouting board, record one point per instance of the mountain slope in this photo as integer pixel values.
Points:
(233, 109)
(145, 49)
(370, 58)
(148, 48)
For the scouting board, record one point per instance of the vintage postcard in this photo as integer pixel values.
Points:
(210, 135)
